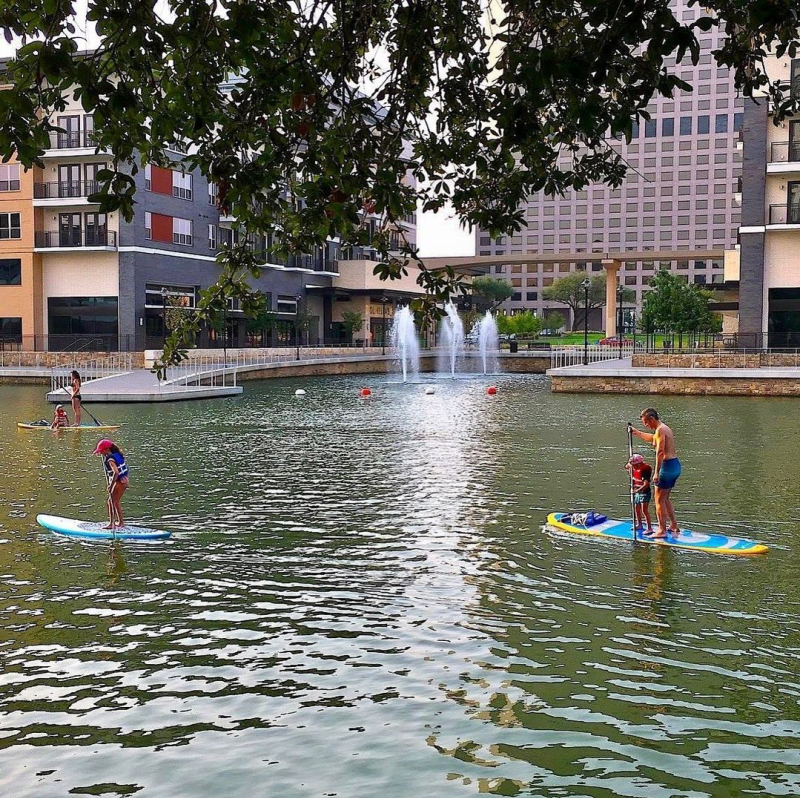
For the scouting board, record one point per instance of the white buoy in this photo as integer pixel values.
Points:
(430, 390)
(299, 392)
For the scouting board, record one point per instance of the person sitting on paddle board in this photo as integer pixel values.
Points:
(117, 477)
(641, 474)
(668, 469)
(60, 418)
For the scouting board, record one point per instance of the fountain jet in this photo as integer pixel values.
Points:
(452, 339)
(405, 342)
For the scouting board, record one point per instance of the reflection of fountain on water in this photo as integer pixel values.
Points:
(485, 331)
(405, 342)
(452, 339)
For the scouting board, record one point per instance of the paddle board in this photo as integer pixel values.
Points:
(94, 530)
(95, 427)
(686, 539)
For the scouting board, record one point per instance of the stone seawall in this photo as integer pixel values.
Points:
(701, 386)
(75, 360)
(718, 360)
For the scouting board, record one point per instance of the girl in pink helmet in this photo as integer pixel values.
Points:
(117, 478)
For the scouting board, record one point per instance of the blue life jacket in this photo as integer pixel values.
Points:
(122, 467)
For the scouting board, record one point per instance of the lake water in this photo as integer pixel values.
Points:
(359, 600)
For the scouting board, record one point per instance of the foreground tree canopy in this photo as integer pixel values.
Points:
(335, 102)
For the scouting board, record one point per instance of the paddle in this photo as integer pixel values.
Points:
(630, 475)
(97, 423)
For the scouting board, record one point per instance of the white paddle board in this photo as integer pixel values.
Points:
(94, 530)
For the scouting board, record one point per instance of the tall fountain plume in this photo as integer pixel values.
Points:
(485, 330)
(451, 338)
(405, 342)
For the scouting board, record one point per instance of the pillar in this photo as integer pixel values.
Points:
(611, 267)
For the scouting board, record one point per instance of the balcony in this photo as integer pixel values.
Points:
(76, 239)
(72, 192)
(785, 214)
(76, 142)
(784, 158)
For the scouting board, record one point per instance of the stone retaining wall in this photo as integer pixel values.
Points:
(75, 360)
(702, 386)
(721, 360)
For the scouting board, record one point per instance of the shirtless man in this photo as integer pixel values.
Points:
(667, 470)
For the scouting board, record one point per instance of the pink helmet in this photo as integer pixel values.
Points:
(102, 446)
(636, 459)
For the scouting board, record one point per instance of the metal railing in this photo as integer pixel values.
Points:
(784, 214)
(561, 356)
(785, 151)
(704, 343)
(72, 139)
(16, 350)
(65, 189)
(91, 369)
(77, 238)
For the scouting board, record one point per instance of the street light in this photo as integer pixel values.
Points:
(298, 299)
(586, 283)
(620, 290)
(384, 300)
(164, 293)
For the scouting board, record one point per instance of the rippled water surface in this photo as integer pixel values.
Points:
(359, 600)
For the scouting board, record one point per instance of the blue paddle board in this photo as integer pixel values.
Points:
(94, 531)
(685, 539)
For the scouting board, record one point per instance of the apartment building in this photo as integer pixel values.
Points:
(679, 194)
(769, 257)
(72, 277)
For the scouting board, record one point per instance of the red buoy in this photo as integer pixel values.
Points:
(365, 392)
(491, 390)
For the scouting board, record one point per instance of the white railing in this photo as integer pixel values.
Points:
(578, 355)
(219, 370)
(107, 366)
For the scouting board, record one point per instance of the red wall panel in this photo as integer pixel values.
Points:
(161, 180)
(161, 227)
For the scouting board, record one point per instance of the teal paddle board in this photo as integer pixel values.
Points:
(91, 530)
(712, 543)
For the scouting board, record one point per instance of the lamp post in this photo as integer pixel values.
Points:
(298, 299)
(586, 283)
(164, 293)
(384, 300)
(620, 290)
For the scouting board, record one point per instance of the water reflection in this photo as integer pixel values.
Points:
(359, 601)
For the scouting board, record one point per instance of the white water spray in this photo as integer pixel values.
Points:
(405, 342)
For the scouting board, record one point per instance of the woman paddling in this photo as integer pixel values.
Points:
(117, 477)
(75, 391)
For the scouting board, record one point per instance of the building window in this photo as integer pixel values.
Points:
(10, 226)
(686, 126)
(516, 296)
(9, 177)
(181, 185)
(148, 225)
(721, 123)
(738, 120)
(148, 177)
(11, 271)
(82, 315)
(181, 231)
(11, 329)
(795, 88)
(212, 193)
(531, 296)
(212, 236)
(703, 124)
(176, 296)
(650, 129)
(668, 126)
(286, 304)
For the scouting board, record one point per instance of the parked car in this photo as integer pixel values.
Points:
(613, 340)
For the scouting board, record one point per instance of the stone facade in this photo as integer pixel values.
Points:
(703, 386)
(721, 360)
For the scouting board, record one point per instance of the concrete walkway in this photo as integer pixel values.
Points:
(142, 386)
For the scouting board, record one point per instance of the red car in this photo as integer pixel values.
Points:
(614, 341)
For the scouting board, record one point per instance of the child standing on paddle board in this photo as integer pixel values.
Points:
(60, 418)
(641, 474)
(117, 477)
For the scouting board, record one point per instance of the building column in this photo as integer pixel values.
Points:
(611, 267)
